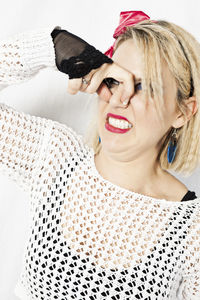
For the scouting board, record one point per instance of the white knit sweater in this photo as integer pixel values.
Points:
(89, 238)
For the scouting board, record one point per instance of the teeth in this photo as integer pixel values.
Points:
(119, 123)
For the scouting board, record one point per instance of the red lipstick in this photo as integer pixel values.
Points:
(114, 129)
(111, 128)
(116, 117)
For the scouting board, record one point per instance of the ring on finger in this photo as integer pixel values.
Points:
(85, 81)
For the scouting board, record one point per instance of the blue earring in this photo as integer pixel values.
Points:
(172, 147)
(99, 139)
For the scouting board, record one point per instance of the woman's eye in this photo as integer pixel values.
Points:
(138, 86)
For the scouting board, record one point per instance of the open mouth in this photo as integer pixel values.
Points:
(117, 126)
(118, 123)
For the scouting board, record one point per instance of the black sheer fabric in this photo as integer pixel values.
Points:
(189, 196)
(74, 56)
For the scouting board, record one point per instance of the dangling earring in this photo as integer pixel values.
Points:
(99, 140)
(172, 147)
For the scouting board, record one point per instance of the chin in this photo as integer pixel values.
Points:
(112, 145)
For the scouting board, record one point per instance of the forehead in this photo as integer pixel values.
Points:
(131, 57)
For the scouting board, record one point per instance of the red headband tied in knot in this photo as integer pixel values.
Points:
(127, 18)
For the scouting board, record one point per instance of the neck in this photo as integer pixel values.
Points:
(139, 174)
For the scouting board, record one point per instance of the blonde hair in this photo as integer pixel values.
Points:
(181, 51)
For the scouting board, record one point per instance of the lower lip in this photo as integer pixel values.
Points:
(114, 129)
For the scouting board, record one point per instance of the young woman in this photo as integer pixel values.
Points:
(108, 219)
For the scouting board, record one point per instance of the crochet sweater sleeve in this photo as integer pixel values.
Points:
(22, 136)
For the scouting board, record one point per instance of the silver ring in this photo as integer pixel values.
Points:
(85, 81)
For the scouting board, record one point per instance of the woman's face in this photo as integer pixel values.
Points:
(146, 132)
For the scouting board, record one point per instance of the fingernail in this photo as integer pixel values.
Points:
(125, 101)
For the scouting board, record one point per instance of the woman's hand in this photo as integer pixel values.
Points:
(87, 67)
(93, 82)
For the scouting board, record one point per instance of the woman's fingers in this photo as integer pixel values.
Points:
(96, 78)
(92, 81)
(74, 85)
(80, 84)
(125, 78)
(103, 92)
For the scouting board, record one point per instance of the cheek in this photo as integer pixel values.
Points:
(140, 110)
(145, 114)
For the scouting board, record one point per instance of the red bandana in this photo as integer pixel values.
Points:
(127, 18)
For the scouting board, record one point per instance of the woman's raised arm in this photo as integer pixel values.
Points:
(24, 54)
(22, 136)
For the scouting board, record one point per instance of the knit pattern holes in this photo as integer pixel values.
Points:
(88, 238)
(109, 243)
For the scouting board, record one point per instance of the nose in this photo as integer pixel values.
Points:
(116, 98)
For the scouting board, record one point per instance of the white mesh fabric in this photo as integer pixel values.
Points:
(24, 54)
(22, 135)
(89, 239)
(191, 281)
(21, 140)
(93, 240)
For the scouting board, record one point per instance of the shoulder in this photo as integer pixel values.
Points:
(173, 189)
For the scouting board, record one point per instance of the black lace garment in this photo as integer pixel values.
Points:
(74, 56)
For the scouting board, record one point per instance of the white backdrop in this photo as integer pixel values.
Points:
(45, 95)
